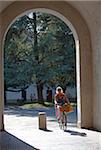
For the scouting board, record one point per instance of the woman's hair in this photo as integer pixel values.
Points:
(59, 88)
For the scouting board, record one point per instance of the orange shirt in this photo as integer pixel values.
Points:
(61, 96)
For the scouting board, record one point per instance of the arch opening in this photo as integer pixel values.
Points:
(54, 13)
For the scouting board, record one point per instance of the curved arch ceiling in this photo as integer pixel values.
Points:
(90, 11)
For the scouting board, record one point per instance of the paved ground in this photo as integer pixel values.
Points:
(24, 125)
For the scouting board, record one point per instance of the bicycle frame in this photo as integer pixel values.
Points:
(63, 121)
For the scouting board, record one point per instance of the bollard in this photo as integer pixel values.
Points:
(42, 121)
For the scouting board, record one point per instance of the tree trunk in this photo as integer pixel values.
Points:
(24, 95)
(36, 53)
(40, 92)
(64, 89)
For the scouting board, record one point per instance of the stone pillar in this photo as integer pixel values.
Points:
(42, 121)
(1, 88)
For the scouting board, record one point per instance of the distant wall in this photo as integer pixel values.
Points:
(14, 96)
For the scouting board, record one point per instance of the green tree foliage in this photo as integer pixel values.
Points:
(59, 50)
(39, 48)
(17, 52)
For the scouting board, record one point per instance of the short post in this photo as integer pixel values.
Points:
(42, 121)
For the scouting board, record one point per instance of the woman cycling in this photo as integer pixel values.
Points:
(60, 99)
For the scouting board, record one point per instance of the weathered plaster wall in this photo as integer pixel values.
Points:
(91, 11)
(96, 43)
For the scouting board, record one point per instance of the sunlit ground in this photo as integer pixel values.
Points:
(23, 123)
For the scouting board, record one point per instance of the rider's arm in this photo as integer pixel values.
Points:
(66, 99)
(55, 100)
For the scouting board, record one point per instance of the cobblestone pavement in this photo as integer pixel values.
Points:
(24, 125)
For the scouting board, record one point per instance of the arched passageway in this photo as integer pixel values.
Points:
(83, 51)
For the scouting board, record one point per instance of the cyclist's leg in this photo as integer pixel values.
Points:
(62, 124)
(61, 120)
(58, 113)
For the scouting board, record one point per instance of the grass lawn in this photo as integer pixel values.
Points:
(31, 105)
(37, 105)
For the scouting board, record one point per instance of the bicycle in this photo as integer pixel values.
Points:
(63, 108)
(63, 118)
(63, 121)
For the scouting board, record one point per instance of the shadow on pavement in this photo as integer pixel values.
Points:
(10, 142)
(76, 133)
(46, 130)
(50, 112)
(28, 112)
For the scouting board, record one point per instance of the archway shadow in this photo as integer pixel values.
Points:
(9, 141)
(76, 133)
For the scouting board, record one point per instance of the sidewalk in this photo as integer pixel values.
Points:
(25, 127)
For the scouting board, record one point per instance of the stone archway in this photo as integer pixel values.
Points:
(79, 28)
